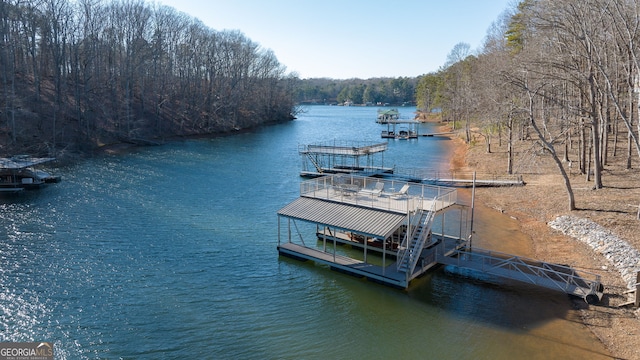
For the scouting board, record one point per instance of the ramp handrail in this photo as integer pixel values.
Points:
(563, 278)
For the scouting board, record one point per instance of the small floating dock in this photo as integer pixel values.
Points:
(445, 133)
(397, 231)
(343, 157)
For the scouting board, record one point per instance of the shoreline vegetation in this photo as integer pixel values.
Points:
(594, 237)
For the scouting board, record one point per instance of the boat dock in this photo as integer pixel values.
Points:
(343, 157)
(401, 230)
(457, 178)
(438, 134)
(18, 173)
(386, 115)
(401, 129)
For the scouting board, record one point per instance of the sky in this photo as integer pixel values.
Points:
(345, 39)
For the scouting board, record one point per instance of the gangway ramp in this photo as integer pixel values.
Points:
(552, 276)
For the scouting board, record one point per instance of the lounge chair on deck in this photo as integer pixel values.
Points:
(376, 191)
(402, 192)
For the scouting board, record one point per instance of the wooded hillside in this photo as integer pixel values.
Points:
(564, 73)
(79, 74)
(374, 91)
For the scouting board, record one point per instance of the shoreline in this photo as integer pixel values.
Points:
(614, 326)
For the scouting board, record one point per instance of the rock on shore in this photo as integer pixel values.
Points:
(623, 256)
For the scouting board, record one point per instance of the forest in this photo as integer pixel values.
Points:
(374, 91)
(565, 73)
(78, 75)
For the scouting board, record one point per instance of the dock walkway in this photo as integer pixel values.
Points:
(551, 276)
(457, 178)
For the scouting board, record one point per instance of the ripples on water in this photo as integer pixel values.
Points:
(169, 252)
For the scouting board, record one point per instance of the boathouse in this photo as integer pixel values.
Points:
(392, 232)
(390, 223)
(386, 115)
(19, 172)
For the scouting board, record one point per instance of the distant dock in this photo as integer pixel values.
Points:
(343, 157)
(439, 133)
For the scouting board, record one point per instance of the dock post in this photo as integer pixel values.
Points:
(473, 198)
(637, 302)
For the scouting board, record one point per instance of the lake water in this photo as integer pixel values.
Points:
(170, 253)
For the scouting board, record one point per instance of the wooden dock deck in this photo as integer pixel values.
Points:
(387, 275)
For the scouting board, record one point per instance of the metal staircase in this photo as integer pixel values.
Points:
(315, 163)
(414, 240)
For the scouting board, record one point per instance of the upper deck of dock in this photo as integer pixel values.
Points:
(380, 194)
(346, 157)
(349, 148)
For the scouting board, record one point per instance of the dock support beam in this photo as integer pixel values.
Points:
(637, 301)
(473, 200)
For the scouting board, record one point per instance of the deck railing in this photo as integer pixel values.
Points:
(362, 191)
(337, 147)
(467, 177)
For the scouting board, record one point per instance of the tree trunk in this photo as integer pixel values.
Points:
(583, 148)
(554, 154)
(595, 132)
(510, 145)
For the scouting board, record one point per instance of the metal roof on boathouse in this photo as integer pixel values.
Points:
(368, 221)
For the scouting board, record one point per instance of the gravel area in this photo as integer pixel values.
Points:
(624, 257)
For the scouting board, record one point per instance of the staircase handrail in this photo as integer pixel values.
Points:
(409, 251)
(408, 235)
(419, 244)
(315, 163)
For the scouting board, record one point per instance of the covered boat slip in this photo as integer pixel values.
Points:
(393, 218)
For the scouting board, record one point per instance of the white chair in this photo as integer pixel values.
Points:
(402, 192)
(376, 191)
